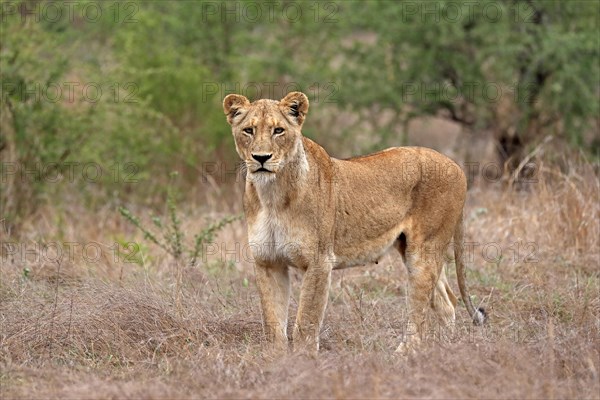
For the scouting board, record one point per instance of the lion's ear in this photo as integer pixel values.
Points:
(295, 104)
(232, 104)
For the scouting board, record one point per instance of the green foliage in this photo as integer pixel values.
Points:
(24, 114)
(164, 68)
(61, 113)
(170, 236)
(462, 60)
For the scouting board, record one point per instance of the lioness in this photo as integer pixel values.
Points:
(308, 210)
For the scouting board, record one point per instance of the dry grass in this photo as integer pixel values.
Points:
(109, 329)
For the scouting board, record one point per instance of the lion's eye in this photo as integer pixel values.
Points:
(249, 131)
(278, 131)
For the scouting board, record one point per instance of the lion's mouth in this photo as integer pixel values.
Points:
(262, 169)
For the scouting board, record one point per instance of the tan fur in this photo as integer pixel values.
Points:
(318, 213)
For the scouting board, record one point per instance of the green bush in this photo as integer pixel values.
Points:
(164, 68)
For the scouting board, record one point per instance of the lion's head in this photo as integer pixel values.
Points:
(267, 133)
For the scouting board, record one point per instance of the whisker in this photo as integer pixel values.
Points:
(242, 169)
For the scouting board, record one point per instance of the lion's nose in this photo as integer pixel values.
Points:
(261, 158)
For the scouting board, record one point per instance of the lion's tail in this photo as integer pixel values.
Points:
(478, 315)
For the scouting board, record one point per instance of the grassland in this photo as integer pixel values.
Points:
(99, 325)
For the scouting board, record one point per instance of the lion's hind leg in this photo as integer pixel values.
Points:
(427, 288)
(444, 301)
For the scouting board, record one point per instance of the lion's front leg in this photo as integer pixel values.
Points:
(273, 284)
(311, 310)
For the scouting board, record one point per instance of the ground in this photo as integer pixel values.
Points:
(101, 327)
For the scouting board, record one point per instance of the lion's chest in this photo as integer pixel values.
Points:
(271, 238)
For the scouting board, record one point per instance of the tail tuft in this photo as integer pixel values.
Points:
(480, 316)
